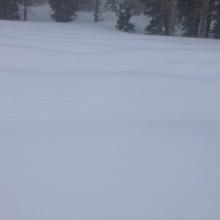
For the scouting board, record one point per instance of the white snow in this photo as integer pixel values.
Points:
(96, 124)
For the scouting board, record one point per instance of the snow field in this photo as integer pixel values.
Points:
(99, 124)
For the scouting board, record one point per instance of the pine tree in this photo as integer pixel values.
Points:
(9, 9)
(163, 16)
(197, 16)
(124, 14)
(64, 10)
(190, 12)
(154, 11)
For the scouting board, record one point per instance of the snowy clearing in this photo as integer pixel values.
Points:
(96, 124)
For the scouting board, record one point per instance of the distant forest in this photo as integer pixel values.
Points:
(193, 18)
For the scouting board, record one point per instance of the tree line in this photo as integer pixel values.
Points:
(197, 18)
(192, 18)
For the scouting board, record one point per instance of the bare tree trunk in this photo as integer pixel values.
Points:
(173, 14)
(96, 13)
(25, 9)
(204, 18)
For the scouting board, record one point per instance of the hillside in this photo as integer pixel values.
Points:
(96, 124)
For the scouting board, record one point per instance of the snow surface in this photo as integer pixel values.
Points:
(96, 124)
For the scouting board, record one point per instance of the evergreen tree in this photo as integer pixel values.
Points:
(162, 14)
(153, 9)
(64, 10)
(9, 9)
(197, 16)
(124, 14)
(190, 13)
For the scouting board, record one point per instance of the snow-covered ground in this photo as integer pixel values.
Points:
(96, 124)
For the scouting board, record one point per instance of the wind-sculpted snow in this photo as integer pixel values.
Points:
(97, 124)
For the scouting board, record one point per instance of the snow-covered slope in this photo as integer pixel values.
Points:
(100, 125)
